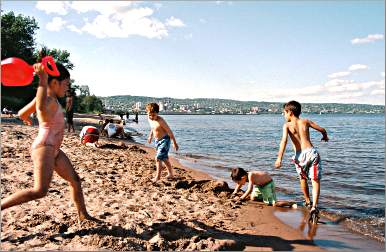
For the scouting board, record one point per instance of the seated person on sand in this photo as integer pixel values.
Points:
(112, 129)
(89, 136)
(264, 187)
(7, 112)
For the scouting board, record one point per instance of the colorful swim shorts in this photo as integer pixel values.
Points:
(308, 164)
(162, 147)
(266, 193)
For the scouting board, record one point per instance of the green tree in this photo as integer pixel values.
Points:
(17, 37)
(61, 56)
(84, 90)
(17, 40)
(90, 104)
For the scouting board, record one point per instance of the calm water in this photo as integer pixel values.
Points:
(352, 185)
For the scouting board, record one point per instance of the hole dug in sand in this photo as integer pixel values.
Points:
(217, 187)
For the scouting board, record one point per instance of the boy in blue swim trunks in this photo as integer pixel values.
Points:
(306, 158)
(162, 135)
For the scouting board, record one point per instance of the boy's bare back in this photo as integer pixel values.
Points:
(259, 177)
(299, 132)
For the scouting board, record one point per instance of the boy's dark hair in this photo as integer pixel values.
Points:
(152, 108)
(63, 73)
(294, 107)
(238, 173)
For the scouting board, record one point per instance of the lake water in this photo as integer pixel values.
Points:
(352, 186)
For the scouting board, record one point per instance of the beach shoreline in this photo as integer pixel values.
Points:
(118, 190)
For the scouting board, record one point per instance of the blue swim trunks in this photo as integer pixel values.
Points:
(162, 147)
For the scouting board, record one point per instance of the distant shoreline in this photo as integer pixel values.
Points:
(168, 113)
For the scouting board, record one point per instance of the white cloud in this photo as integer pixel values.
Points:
(74, 29)
(55, 7)
(56, 24)
(174, 22)
(351, 69)
(378, 92)
(383, 74)
(102, 7)
(356, 67)
(336, 90)
(370, 38)
(339, 74)
(116, 19)
(121, 25)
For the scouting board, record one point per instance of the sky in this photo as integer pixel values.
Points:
(310, 51)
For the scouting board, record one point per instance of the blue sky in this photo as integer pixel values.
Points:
(323, 51)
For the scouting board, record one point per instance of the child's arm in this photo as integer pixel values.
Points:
(165, 126)
(250, 187)
(283, 144)
(25, 112)
(320, 129)
(236, 189)
(150, 136)
(69, 104)
(41, 93)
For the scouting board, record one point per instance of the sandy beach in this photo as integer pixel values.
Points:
(189, 212)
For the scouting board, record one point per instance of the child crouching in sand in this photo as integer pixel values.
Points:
(46, 154)
(162, 135)
(89, 136)
(264, 187)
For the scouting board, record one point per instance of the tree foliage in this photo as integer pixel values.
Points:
(17, 40)
(90, 103)
(61, 56)
(17, 37)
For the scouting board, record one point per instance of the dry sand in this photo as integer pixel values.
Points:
(190, 212)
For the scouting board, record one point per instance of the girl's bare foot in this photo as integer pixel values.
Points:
(155, 179)
(87, 221)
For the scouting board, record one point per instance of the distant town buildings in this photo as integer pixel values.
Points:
(222, 106)
(138, 106)
(161, 106)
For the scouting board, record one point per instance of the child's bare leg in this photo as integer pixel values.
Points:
(43, 160)
(159, 169)
(284, 203)
(315, 192)
(304, 187)
(65, 170)
(169, 168)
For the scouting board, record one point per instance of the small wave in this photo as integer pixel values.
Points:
(197, 156)
(370, 226)
(373, 227)
(221, 167)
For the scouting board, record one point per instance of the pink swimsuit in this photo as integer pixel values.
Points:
(51, 133)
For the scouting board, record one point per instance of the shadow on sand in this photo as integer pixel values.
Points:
(175, 235)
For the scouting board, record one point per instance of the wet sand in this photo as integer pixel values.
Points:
(189, 212)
